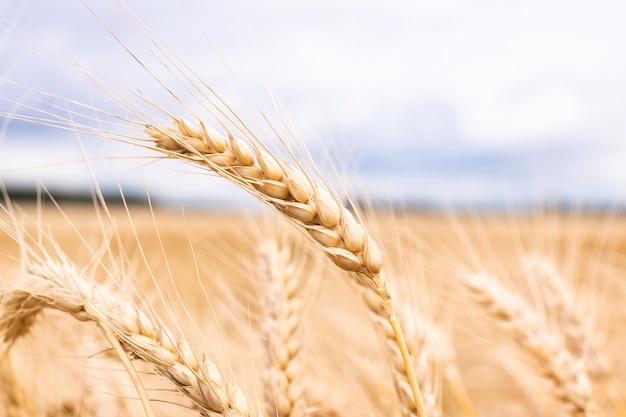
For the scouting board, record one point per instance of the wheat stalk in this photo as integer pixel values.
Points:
(424, 361)
(312, 208)
(61, 286)
(434, 360)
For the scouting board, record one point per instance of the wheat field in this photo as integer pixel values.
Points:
(314, 305)
(204, 279)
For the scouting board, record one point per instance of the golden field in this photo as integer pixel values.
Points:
(200, 273)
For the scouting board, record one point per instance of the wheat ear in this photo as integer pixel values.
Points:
(308, 205)
(572, 385)
(61, 286)
(578, 337)
(280, 323)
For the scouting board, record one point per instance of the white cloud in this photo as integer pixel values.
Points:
(536, 116)
(498, 74)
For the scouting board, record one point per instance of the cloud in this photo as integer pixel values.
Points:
(459, 92)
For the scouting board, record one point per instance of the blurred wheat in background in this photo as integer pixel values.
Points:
(132, 281)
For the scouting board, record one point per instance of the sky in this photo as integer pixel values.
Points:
(422, 101)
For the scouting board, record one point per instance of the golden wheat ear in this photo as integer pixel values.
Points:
(61, 286)
(310, 205)
(560, 300)
(313, 209)
(570, 378)
(282, 284)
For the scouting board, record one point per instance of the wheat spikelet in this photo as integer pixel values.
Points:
(62, 287)
(312, 208)
(570, 377)
(281, 320)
